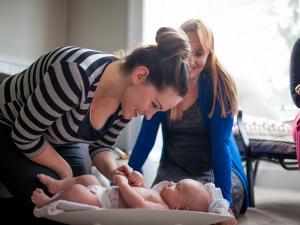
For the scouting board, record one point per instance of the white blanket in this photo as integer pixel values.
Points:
(61, 206)
(81, 214)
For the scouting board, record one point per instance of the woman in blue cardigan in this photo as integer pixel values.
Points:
(197, 135)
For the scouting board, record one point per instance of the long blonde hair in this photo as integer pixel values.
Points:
(224, 87)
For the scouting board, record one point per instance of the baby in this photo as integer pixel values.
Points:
(187, 194)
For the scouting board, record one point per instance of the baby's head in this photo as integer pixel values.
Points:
(187, 194)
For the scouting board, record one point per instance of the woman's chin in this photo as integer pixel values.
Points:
(194, 74)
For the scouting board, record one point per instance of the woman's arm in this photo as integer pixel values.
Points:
(220, 132)
(49, 101)
(145, 141)
(106, 163)
(51, 159)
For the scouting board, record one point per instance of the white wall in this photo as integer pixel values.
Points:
(274, 176)
(30, 28)
(98, 24)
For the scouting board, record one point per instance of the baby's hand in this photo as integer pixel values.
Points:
(136, 179)
(120, 179)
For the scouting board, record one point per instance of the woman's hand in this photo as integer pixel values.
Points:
(123, 170)
(232, 221)
(106, 164)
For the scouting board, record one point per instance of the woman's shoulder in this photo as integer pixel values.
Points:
(88, 61)
(79, 55)
(205, 86)
(205, 81)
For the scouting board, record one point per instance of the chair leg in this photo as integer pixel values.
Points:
(256, 164)
(250, 177)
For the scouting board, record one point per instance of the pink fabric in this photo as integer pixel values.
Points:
(296, 136)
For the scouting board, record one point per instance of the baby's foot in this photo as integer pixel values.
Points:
(51, 183)
(39, 198)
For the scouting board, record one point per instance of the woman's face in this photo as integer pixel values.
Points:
(144, 99)
(199, 58)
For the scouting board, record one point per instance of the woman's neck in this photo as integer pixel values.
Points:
(113, 81)
(192, 94)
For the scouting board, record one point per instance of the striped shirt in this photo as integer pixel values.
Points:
(48, 102)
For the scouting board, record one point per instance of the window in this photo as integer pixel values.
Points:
(253, 39)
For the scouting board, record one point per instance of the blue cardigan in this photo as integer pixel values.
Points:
(225, 154)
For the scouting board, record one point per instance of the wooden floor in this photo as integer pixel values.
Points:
(273, 207)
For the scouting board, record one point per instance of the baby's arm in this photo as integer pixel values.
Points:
(133, 198)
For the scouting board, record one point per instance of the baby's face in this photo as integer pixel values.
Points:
(187, 194)
(177, 194)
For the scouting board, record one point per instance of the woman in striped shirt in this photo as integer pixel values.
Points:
(75, 95)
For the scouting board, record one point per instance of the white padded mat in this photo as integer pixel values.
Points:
(80, 214)
(137, 217)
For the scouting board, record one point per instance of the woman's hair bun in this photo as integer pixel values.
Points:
(172, 42)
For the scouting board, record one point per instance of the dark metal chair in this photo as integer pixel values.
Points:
(252, 151)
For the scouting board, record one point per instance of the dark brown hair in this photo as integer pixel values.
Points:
(166, 61)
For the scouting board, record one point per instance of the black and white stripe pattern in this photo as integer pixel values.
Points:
(48, 101)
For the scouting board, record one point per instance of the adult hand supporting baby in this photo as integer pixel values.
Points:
(232, 221)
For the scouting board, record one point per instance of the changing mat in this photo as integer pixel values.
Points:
(80, 214)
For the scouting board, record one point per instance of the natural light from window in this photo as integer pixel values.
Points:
(253, 39)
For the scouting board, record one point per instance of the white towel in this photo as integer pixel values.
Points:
(61, 206)
(218, 205)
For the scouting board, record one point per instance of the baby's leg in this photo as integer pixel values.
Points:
(79, 193)
(55, 186)
(39, 198)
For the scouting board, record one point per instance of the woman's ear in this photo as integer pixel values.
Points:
(139, 74)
